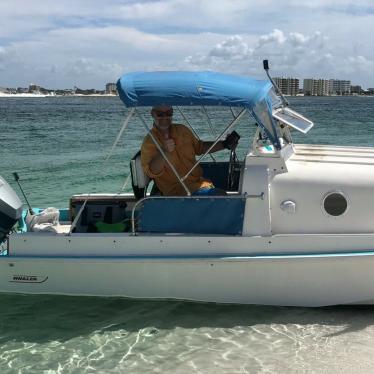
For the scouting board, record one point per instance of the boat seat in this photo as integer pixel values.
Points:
(139, 179)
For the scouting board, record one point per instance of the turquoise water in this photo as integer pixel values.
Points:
(58, 146)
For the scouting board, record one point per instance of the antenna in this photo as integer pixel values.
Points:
(16, 178)
(278, 91)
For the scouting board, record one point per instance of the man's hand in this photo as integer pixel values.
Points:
(157, 164)
(231, 140)
(169, 144)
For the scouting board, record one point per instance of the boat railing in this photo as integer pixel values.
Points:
(220, 136)
(140, 202)
(4, 247)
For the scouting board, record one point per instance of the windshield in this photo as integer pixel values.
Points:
(276, 101)
(262, 114)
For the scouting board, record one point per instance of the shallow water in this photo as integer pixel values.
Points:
(58, 146)
(65, 334)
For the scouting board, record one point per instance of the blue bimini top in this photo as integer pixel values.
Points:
(190, 88)
(200, 88)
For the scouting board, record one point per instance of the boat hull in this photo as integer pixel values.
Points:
(289, 280)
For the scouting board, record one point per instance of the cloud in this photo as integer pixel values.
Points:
(200, 15)
(2, 54)
(293, 54)
(233, 47)
(276, 36)
(173, 16)
(298, 39)
(87, 43)
(361, 63)
(84, 67)
(276, 44)
(88, 58)
(2, 58)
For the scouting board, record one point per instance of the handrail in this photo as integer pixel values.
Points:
(123, 128)
(74, 223)
(234, 121)
(192, 129)
(197, 197)
(232, 112)
(205, 112)
(4, 246)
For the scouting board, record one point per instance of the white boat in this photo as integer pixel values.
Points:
(296, 227)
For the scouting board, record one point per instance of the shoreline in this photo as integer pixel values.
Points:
(29, 95)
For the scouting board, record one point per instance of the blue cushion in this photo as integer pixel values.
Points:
(192, 215)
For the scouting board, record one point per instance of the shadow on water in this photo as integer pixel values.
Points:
(41, 319)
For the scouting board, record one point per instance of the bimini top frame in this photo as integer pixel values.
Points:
(203, 89)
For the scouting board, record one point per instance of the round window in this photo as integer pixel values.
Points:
(335, 204)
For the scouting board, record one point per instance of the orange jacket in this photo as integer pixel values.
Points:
(182, 158)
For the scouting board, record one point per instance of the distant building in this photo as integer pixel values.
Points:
(22, 90)
(356, 90)
(3, 90)
(339, 87)
(322, 87)
(34, 88)
(111, 89)
(316, 87)
(66, 92)
(288, 86)
(89, 91)
(370, 91)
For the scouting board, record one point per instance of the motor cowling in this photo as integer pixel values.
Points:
(10, 208)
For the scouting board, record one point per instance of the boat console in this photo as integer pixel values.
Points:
(113, 209)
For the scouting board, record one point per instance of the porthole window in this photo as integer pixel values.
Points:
(335, 204)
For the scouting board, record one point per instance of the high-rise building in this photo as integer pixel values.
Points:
(34, 88)
(111, 88)
(356, 90)
(339, 87)
(288, 86)
(308, 87)
(316, 87)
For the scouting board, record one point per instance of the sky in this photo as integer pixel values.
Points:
(87, 43)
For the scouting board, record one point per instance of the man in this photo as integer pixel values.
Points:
(180, 147)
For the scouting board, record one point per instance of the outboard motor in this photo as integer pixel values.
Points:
(10, 209)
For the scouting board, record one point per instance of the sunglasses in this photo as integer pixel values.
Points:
(167, 113)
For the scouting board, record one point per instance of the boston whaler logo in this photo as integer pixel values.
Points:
(28, 279)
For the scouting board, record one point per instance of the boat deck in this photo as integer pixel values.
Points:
(333, 154)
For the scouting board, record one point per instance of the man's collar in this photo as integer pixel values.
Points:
(158, 133)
